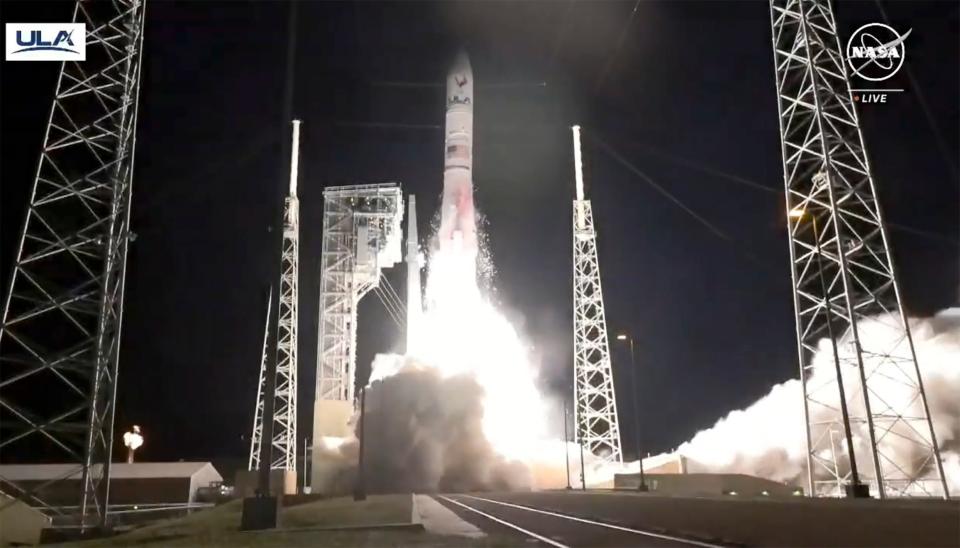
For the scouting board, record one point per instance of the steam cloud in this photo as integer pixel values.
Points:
(424, 433)
(767, 438)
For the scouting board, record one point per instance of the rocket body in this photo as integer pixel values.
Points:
(414, 297)
(457, 218)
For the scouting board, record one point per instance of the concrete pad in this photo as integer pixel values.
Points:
(438, 519)
(19, 523)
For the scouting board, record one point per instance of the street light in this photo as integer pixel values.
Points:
(566, 442)
(132, 440)
(636, 406)
(855, 489)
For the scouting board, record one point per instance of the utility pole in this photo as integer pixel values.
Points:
(566, 442)
(636, 410)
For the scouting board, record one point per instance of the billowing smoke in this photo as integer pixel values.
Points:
(424, 432)
(767, 438)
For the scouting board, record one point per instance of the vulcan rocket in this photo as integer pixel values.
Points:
(457, 220)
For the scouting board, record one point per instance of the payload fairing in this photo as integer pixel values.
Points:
(457, 218)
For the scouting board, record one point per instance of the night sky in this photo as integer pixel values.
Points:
(688, 91)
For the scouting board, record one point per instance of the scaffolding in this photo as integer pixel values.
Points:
(361, 237)
(283, 451)
(844, 282)
(596, 405)
(60, 338)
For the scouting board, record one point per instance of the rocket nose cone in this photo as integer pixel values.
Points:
(461, 63)
(460, 82)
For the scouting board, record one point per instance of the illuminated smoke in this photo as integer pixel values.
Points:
(424, 432)
(461, 410)
(767, 438)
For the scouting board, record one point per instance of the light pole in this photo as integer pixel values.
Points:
(636, 409)
(583, 470)
(855, 489)
(566, 443)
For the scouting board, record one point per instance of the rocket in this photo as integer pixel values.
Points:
(457, 219)
(414, 297)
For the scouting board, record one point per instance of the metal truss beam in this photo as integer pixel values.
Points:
(598, 427)
(60, 336)
(844, 283)
(283, 451)
(361, 236)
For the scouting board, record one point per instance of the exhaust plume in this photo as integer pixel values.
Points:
(767, 438)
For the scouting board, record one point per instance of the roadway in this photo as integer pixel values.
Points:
(618, 518)
(561, 530)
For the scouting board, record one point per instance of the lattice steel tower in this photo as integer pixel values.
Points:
(361, 236)
(596, 404)
(284, 445)
(60, 338)
(844, 284)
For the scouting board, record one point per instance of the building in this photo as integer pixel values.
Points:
(130, 483)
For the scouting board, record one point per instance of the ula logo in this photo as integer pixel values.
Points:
(46, 42)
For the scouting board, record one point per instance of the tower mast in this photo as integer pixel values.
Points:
(596, 405)
(844, 282)
(60, 337)
(284, 444)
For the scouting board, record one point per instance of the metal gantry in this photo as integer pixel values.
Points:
(596, 404)
(361, 236)
(284, 444)
(844, 283)
(60, 337)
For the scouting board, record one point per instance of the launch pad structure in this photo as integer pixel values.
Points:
(843, 275)
(361, 236)
(283, 450)
(62, 318)
(595, 409)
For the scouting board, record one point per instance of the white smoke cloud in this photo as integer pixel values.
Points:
(767, 438)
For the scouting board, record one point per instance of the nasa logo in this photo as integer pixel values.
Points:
(46, 42)
(875, 52)
(461, 81)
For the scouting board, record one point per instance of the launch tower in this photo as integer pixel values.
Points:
(843, 276)
(283, 453)
(60, 337)
(596, 405)
(361, 236)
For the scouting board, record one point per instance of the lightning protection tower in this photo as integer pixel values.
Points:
(361, 236)
(843, 277)
(60, 336)
(596, 405)
(283, 452)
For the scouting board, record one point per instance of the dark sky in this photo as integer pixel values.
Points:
(692, 80)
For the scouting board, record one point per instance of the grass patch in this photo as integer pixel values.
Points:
(219, 526)
(345, 512)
